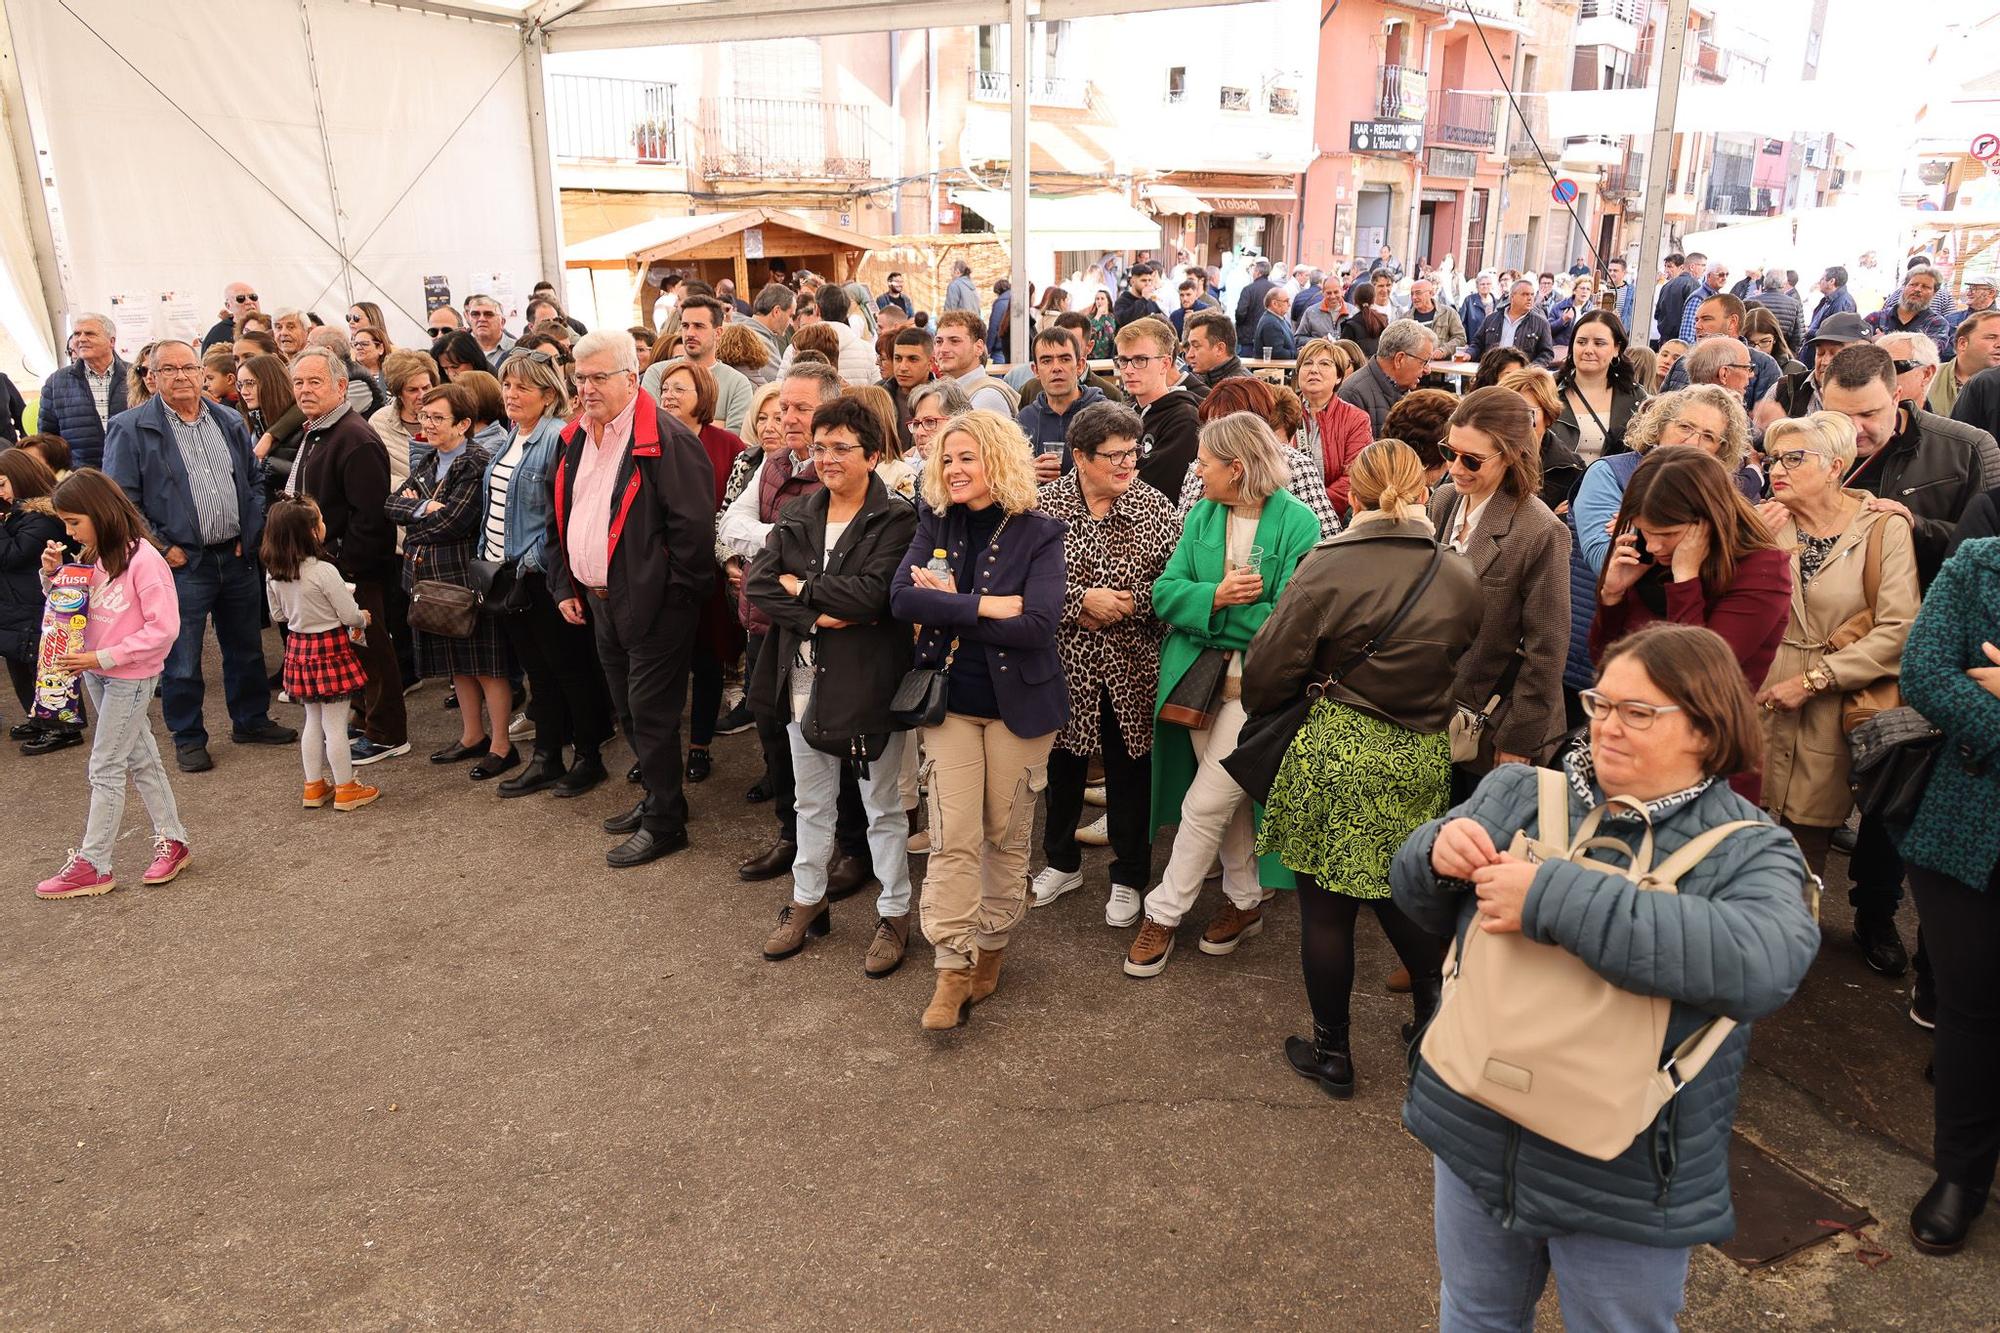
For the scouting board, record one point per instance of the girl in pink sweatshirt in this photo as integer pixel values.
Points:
(133, 619)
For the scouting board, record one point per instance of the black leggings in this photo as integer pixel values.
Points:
(1326, 946)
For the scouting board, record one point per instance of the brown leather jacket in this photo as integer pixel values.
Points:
(1345, 591)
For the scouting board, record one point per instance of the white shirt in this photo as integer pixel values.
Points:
(1464, 521)
(742, 530)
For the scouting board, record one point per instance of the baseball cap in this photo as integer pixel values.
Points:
(1979, 282)
(1841, 328)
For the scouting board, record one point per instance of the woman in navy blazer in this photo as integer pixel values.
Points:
(991, 620)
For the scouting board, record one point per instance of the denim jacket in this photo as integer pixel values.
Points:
(530, 493)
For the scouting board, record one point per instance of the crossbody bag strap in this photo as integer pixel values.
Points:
(1871, 564)
(1374, 645)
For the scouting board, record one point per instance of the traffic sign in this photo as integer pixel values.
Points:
(1986, 147)
(1563, 191)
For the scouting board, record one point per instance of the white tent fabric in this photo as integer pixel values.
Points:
(187, 152)
(24, 313)
(1102, 221)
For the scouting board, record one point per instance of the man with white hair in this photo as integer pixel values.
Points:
(489, 328)
(1721, 360)
(291, 328)
(187, 465)
(634, 558)
(1916, 361)
(238, 299)
(1401, 355)
(81, 398)
(344, 467)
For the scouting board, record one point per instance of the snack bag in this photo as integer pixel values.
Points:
(58, 693)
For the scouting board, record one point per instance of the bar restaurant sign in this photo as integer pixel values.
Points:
(1385, 136)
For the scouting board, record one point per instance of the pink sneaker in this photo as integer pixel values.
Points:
(77, 879)
(169, 859)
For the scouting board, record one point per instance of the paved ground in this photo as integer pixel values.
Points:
(431, 1064)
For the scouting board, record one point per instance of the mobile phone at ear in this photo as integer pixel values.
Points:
(1639, 545)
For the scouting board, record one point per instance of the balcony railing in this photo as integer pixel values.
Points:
(994, 85)
(1727, 199)
(772, 137)
(1467, 119)
(1522, 135)
(1402, 93)
(612, 120)
(1625, 11)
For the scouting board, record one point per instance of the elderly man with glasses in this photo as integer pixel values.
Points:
(238, 299)
(489, 327)
(634, 558)
(190, 469)
(1401, 356)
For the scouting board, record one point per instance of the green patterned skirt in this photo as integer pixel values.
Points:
(1349, 791)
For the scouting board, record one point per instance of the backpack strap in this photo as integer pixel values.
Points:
(1692, 1056)
(1668, 873)
(1552, 807)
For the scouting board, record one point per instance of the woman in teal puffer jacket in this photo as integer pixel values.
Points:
(1951, 674)
(1671, 719)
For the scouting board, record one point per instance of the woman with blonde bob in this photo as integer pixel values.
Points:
(1833, 538)
(988, 618)
(1371, 762)
(1237, 550)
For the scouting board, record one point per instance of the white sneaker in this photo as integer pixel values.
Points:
(520, 729)
(1121, 909)
(1052, 884)
(1097, 833)
(1095, 796)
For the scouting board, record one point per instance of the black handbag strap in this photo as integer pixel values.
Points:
(1376, 640)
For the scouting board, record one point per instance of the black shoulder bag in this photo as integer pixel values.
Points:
(1266, 738)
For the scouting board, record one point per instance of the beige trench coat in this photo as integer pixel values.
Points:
(1806, 757)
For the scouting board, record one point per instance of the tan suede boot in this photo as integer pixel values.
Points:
(950, 1000)
(985, 973)
(795, 923)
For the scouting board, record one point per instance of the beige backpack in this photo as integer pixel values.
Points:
(1532, 1031)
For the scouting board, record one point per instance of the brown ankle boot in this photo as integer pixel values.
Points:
(985, 973)
(950, 1000)
(796, 921)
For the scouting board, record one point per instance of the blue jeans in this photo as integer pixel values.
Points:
(817, 774)
(123, 748)
(1493, 1278)
(227, 587)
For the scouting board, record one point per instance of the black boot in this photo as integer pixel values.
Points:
(1324, 1059)
(544, 770)
(1944, 1216)
(1424, 996)
(585, 773)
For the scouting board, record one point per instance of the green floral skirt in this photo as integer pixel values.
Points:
(1349, 791)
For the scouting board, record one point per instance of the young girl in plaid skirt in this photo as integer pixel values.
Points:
(321, 669)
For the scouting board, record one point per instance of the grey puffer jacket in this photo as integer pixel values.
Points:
(1736, 940)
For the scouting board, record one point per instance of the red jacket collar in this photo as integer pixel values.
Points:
(645, 425)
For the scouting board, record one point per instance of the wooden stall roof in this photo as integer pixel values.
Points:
(713, 236)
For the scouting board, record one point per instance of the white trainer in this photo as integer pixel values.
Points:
(1096, 833)
(1095, 796)
(1121, 909)
(1052, 884)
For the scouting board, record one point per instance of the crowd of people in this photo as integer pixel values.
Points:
(1347, 630)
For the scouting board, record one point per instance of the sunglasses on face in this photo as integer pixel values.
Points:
(354, 319)
(1905, 367)
(244, 300)
(1473, 462)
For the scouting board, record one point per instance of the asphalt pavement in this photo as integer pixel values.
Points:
(431, 1064)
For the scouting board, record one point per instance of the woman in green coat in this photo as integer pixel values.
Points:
(1238, 548)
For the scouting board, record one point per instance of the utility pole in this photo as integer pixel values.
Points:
(1659, 166)
(1017, 151)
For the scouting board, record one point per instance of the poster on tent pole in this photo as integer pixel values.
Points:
(132, 323)
(502, 288)
(437, 293)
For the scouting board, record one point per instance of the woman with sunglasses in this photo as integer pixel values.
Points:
(370, 347)
(1668, 717)
(1509, 686)
(366, 315)
(1688, 548)
(1838, 548)
(567, 699)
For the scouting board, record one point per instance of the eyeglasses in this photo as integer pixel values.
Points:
(834, 450)
(599, 378)
(244, 299)
(1122, 458)
(440, 330)
(1634, 714)
(164, 371)
(927, 424)
(435, 418)
(1135, 362)
(1745, 366)
(1473, 462)
(1793, 459)
(354, 319)
(1686, 430)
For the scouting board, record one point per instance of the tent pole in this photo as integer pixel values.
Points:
(1653, 232)
(326, 157)
(548, 203)
(34, 199)
(1017, 152)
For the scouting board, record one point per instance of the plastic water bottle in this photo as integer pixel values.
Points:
(938, 564)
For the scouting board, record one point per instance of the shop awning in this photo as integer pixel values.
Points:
(1101, 221)
(1174, 200)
